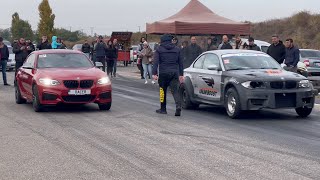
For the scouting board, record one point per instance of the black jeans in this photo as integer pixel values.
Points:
(169, 80)
(141, 69)
(18, 65)
(110, 65)
(4, 70)
(103, 61)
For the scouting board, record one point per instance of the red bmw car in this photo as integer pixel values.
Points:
(51, 77)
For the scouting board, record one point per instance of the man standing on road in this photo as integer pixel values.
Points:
(4, 56)
(225, 43)
(192, 52)
(292, 56)
(86, 48)
(44, 44)
(115, 63)
(277, 50)
(252, 45)
(139, 61)
(167, 59)
(21, 51)
(100, 48)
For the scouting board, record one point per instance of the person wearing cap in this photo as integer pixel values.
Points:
(100, 48)
(167, 59)
(252, 45)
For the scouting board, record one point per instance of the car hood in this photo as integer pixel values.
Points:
(70, 74)
(12, 56)
(264, 75)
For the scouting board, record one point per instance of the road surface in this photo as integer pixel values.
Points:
(133, 142)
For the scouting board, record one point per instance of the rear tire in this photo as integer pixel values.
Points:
(185, 99)
(19, 98)
(37, 107)
(232, 103)
(105, 107)
(303, 111)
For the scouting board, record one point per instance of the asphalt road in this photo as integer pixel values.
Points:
(132, 142)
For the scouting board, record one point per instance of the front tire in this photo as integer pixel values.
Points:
(37, 107)
(19, 98)
(185, 99)
(232, 103)
(105, 107)
(303, 111)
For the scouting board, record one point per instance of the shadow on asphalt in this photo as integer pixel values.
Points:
(68, 108)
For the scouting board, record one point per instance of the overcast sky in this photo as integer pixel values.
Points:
(127, 15)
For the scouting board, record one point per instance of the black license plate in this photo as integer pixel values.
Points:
(285, 100)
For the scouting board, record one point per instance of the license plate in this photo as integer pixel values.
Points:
(317, 64)
(79, 92)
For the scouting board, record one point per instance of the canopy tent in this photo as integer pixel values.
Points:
(196, 19)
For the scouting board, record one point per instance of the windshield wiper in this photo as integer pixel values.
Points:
(240, 68)
(267, 68)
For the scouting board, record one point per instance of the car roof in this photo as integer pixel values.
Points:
(57, 51)
(234, 51)
(308, 50)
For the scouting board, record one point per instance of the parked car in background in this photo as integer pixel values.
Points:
(241, 80)
(11, 61)
(77, 47)
(263, 45)
(134, 53)
(311, 58)
(8, 43)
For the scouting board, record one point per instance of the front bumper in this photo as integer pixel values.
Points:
(275, 99)
(315, 80)
(59, 94)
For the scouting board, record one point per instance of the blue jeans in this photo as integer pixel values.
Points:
(147, 69)
(4, 71)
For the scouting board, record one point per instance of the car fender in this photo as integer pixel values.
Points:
(228, 83)
(189, 87)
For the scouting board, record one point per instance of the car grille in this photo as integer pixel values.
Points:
(71, 84)
(76, 99)
(283, 84)
(86, 84)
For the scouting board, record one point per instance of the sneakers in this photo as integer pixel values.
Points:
(178, 112)
(160, 111)
(146, 82)
(6, 84)
(153, 82)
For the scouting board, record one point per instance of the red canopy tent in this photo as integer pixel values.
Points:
(196, 19)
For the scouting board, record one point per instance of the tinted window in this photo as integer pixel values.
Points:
(211, 59)
(249, 61)
(308, 54)
(264, 49)
(198, 64)
(63, 61)
(30, 61)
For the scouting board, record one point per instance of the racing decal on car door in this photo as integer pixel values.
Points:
(209, 81)
(208, 91)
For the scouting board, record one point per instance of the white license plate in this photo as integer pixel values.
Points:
(79, 92)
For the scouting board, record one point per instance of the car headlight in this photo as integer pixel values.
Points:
(49, 82)
(253, 84)
(104, 81)
(304, 84)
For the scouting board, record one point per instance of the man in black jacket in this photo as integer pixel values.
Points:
(192, 52)
(167, 59)
(100, 48)
(277, 50)
(86, 48)
(4, 56)
(21, 51)
(225, 44)
(252, 45)
(44, 44)
(292, 56)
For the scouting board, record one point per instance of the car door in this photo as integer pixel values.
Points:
(210, 78)
(195, 72)
(25, 76)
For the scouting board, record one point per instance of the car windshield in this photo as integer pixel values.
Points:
(308, 54)
(249, 61)
(63, 61)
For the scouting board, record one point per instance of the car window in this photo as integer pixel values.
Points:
(63, 60)
(211, 59)
(199, 63)
(30, 60)
(264, 49)
(308, 54)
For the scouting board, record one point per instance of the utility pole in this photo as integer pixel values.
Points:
(139, 29)
(91, 31)
(70, 28)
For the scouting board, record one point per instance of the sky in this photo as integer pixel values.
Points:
(106, 16)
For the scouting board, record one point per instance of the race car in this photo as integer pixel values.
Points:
(243, 80)
(51, 77)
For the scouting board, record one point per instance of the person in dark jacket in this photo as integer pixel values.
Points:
(115, 63)
(292, 56)
(210, 45)
(277, 50)
(63, 45)
(21, 53)
(100, 48)
(192, 52)
(252, 45)
(44, 44)
(175, 41)
(86, 48)
(226, 43)
(30, 46)
(4, 56)
(183, 52)
(111, 54)
(167, 60)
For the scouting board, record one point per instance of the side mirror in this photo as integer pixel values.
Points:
(213, 67)
(98, 64)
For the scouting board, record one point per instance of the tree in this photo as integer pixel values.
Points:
(68, 35)
(46, 24)
(20, 28)
(6, 34)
